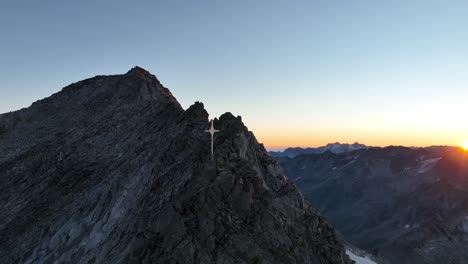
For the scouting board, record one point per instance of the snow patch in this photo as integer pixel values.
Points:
(360, 260)
(426, 165)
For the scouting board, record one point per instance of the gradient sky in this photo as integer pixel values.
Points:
(300, 73)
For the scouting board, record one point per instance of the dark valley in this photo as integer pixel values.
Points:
(405, 205)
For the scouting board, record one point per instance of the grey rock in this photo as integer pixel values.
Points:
(113, 170)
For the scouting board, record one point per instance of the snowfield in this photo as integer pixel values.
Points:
(360, 260)
(426, 165)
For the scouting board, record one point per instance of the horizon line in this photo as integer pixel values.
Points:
(283, 148)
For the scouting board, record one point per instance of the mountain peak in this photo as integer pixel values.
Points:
(111, 171)
(137, 70)
(152, 82)
(232, 123)
(197, 112)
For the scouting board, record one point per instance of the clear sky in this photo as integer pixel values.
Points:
(300, 73)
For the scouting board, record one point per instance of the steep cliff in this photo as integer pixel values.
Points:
(113, 170)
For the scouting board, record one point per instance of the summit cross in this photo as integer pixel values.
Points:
(212, 131)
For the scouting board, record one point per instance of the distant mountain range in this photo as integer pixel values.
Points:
(332, 147)
(405, 205)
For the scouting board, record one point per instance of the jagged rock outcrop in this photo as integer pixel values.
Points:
(113, 170)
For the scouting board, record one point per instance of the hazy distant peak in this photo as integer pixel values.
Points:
(345, 144)
(335, 148)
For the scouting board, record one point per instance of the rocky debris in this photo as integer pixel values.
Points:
(113, 170)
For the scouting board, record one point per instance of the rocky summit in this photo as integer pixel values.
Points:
(113, 170)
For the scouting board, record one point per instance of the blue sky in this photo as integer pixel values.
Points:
(299, 72)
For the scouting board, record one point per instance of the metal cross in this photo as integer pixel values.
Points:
(212, 131)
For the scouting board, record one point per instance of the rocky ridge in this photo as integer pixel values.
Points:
(113, 170)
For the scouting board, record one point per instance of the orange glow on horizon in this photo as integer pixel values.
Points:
(310, 129)
(280, 138)
(464, 145)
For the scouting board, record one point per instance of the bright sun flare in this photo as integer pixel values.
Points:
(465, 145)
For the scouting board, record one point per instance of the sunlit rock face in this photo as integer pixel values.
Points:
(113, 170)
(406, 205)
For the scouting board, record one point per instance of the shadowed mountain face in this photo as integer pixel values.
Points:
(405, 205)
(113, 170)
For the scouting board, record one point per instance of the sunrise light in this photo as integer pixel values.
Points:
(464, 145)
